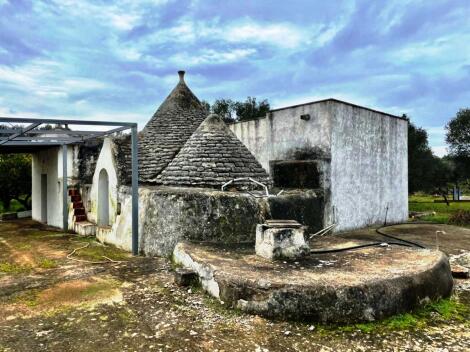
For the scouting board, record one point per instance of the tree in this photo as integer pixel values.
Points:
(251, 109)
(458, 134)
(458, 139)
(231, 111)
(225, 109)
(421, 161)
(15, 179)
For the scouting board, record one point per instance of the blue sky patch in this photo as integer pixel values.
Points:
(118, 59)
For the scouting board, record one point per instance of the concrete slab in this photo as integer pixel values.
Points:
(344, 287)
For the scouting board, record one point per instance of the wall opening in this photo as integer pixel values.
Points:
(295, 173)
(44, 198)
(103, 198)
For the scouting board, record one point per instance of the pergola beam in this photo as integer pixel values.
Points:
(53, 131)
(59, 139)
(65, 122)
(107, 133)
(23, 130)
(15, 143)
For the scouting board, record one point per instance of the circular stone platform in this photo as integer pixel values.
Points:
(344, 287)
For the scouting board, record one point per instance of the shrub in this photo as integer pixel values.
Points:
(460, 217)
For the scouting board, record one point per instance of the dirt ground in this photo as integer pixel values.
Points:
(53, 301)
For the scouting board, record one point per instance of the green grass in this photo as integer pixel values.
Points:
(425, 203)
(95, 251)
(28, 297)
(46, 263)
(13, 268)
(446, 309)
(100, 286)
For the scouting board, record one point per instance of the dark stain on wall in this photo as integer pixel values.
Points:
(87, 157)
(295, 173)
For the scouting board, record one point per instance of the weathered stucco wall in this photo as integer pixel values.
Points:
(90, 194)
(369, 167)
(49, 162)
(173, 214)
(368, 173)
(120, 233)
(282, 133)
(169, 214)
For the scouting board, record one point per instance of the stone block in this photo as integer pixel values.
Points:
(282, 242)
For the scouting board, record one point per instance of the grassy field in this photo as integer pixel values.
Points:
(424, 203)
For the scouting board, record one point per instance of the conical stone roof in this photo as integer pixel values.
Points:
(212, 156)
(170, 127)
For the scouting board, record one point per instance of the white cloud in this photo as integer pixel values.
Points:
(277, 34)
(245, 31)
(439, 151)
(122, 15)
(45, 78)
(124, 21)
(436, 130)
(210, 56)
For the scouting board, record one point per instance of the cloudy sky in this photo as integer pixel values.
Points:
(112, 60)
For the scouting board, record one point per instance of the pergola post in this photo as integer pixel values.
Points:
(65, 208)
(135, 192)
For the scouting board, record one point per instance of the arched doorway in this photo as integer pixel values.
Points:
(103, 199)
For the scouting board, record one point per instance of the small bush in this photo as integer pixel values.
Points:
(460, 217)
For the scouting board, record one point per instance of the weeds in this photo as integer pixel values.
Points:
(460, 217)
(446, 309)
(13, 268)
(47, 263)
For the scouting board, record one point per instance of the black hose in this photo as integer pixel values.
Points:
(405, 243)
(405, 223)
(359, 246)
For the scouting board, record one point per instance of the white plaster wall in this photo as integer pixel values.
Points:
(369, 168)
(105, 161)
(49, 162)
(274, 137)
(120, 233)
(369, 162)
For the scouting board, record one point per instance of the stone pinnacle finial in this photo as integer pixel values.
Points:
(181, 74)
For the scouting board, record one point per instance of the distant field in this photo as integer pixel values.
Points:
(443, 211)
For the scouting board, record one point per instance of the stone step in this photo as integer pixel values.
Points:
(79, 211)
(74, 192)
(85, 228)
(78, 205)
(79, 218)
(77, 198)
